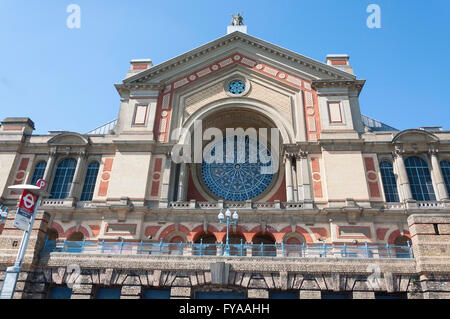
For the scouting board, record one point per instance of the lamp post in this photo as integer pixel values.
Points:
(25, 215)
(228, 221)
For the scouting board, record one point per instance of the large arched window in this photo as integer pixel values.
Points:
(63, 178)
(419, 179)
(89, 181)
(445, 166)
(39, 171)
(389, 182)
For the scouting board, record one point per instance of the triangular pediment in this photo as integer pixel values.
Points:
(262, 52)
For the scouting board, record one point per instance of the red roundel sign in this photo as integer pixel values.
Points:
(41, 183)
(27, 201)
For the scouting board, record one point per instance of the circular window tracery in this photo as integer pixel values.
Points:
(236, 87)
(237, 179)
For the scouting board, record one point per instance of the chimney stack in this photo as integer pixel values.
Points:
(340, 61)
(139, 65)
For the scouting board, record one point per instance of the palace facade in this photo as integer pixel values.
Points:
(356, 208)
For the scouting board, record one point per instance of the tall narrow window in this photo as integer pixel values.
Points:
(389, 182)
(63, 178)
(89, 182)
(445, 166)
(419, 179)
(39, 170)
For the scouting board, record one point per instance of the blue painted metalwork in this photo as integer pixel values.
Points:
(228, 222)
(389, 182)
(283, 295)
(63, 178)
(38, 173)
(236, 87)
(89, 181)
(294, 251)
(157, 294)
(109, 293)
(236, 178)
(419, 179)
(445, 167)
(60, 292)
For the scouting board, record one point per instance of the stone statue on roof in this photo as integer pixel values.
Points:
(238, 19)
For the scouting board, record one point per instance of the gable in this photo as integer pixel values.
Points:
(259, 50)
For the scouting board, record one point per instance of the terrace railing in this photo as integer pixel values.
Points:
(236, 250)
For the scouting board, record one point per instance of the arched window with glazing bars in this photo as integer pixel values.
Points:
(420, 179)
(39, 171)
(445, 167)
(89, 181)
(389, 182)
(63, 178)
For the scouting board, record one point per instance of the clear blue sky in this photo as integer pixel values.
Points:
(63, 78)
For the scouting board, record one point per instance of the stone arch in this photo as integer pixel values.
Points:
(80, 229)
(69, 138)
(286, 129)
(414, 135)
(163, 232)
(300, 230)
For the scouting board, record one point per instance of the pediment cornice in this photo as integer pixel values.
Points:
(200, 53)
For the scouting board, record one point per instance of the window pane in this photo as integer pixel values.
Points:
(89, 182)
(419, 179)
(389, 182)
(63, 178)
(445, 166)
(38, 172)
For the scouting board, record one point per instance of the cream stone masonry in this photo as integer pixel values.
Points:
(329, 199)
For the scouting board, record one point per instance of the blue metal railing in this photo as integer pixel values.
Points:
(201, 249)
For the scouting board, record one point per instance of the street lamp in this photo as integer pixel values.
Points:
(228, 221)
(30, 199)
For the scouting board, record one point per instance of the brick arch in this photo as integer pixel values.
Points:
(395, 234)
(152, 231)
(58, 228)
(198, 231)
(264, 234)
(81, 229)
(171, 228)
(299, 230)
(240, 230)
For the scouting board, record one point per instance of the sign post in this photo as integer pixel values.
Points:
(25, 216)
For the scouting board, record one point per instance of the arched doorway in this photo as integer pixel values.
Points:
(401, 249)
(205, 245)
(293, 245)
(264, 246)
(52, 234)
(74, 243)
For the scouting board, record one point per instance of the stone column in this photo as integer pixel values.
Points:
(303, 176)
(295, 180)
(288, 172)
(50, 164)
(442, 193)
(182, 182)
(77, 177)
(402, 175)
(165, 180)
